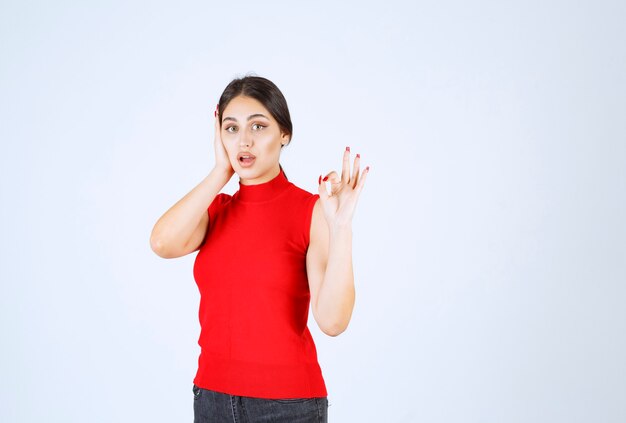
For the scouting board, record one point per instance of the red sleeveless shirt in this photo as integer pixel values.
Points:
(254, 294)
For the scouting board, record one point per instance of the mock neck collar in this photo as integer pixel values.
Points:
(264, 191)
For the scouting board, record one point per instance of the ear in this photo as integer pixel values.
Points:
(285, 139)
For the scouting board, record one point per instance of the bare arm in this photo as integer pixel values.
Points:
(330, 274)
(329, 257)
(182, 228)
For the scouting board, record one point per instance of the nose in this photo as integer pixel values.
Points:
(245, 140)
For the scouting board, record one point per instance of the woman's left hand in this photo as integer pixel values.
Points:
(339, 205)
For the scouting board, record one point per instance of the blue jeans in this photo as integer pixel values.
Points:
(216, 407)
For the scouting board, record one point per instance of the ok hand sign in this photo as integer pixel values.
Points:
(339, 205)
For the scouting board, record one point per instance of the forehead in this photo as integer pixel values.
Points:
(242, 106)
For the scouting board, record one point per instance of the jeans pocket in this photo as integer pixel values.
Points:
(196, 391)
(293, 400)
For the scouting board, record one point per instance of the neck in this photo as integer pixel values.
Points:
(263, 191)
(261, 179)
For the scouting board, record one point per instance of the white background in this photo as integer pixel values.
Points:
(489, 240)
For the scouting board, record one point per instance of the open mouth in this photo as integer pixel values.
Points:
(246, 159)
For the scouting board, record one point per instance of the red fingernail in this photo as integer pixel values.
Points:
(358, 155)
(347, 148)
(325, 179)
(367, 168)
(320, 180)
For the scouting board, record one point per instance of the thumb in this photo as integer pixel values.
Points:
(321, 189)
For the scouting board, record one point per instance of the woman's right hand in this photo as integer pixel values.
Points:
(221, 157)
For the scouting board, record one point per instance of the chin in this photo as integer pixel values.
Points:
(253, 172)
(248, 173)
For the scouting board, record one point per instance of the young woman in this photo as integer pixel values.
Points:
(265, 254)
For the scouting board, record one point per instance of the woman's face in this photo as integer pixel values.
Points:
(248, 128)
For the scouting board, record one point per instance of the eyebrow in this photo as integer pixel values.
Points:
(249, 117)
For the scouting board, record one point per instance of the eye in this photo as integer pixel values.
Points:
(229, 129)
(256, 124)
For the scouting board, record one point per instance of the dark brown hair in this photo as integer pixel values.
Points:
(265, 92)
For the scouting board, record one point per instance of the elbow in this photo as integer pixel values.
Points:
(335, 330)
(334, 326)
(332, 333)
(158, 247)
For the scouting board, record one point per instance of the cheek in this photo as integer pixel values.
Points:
(273, 148)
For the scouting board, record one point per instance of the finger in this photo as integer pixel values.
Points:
(335, 182)
(321, 189)
(362, 179)
(355, 171)
(332, 177)
(217, 131)
(345, 170)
